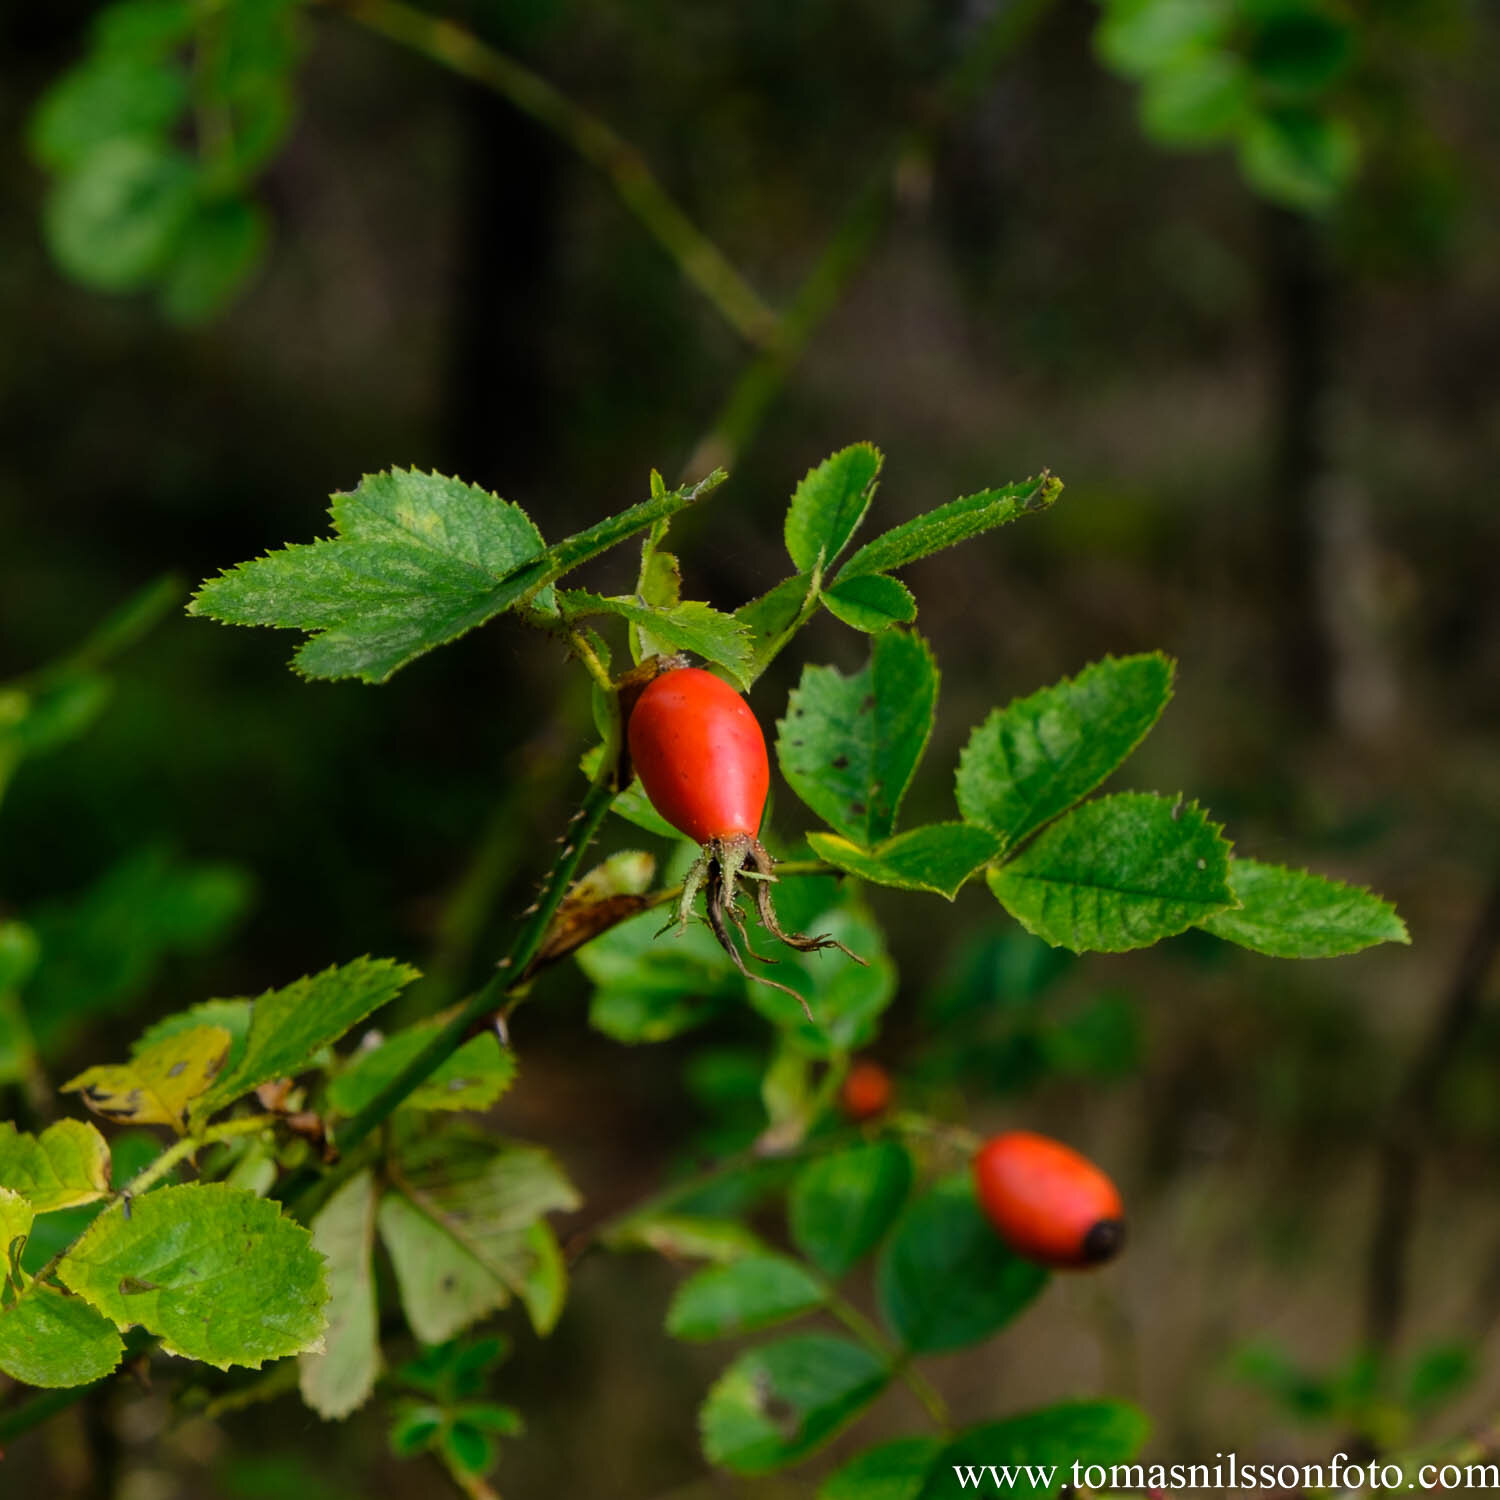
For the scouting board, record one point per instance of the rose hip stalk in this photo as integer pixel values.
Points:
(702, 759)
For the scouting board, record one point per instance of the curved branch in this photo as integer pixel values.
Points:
(697, 256)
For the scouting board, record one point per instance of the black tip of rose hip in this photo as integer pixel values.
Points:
(1104, 1241)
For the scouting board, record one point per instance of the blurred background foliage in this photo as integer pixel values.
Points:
(1226, 266)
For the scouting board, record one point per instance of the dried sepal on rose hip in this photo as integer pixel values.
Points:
(1048, 1202)
(702, 760)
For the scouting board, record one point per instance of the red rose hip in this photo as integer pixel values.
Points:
(866, 1091)
(700, 755)
(1047, 1202)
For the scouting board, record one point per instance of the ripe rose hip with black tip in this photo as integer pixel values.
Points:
(1049, 1203)
(702, 760)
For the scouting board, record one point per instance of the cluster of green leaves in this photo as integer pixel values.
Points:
(447, 1415)
(1265, 76)
(944, 1281)
(131, 206)
(462, 1215)
(418, 560)
(1085, 873)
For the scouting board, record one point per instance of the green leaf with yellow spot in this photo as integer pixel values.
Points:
(16, 1215)
(159, 1083)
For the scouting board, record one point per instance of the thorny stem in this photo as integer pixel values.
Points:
(502, 986)
(698, 258)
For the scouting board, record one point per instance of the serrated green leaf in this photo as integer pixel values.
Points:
(871, 602)
(113, 221)
(578, 549)
(159, 1083)
(945, 1279)
(829, 504)
(419, 559)
(217, 1274)
(949, 524)
(775, 1405)
(1034, 758)
(648, 989)
(686, 1237)
(119, 96)
(221, 248)
(718, 638)
(938, 858)
(52, 1340)
(747, 1294)
(66, 1165)
(459, 1228)
(1299, 157)
(893, 1471)
(841, 1205)
(474, 1077)
(340, 1378)
(659, 584)
(846, 999)
(1139, 37)
(1295, 914)
(849, 746)
(104, 948)
(776, 616)
(1118, 873)
(1041, 1447)
(290, 1026)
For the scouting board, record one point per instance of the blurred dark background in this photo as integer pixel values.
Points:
(1279, 435)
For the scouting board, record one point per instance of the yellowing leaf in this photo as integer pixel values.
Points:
(156, 1086)
(16, 1215)
(66, 1165)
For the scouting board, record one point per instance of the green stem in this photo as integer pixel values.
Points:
(502, 987)
(698, 258)
(897, 1360)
